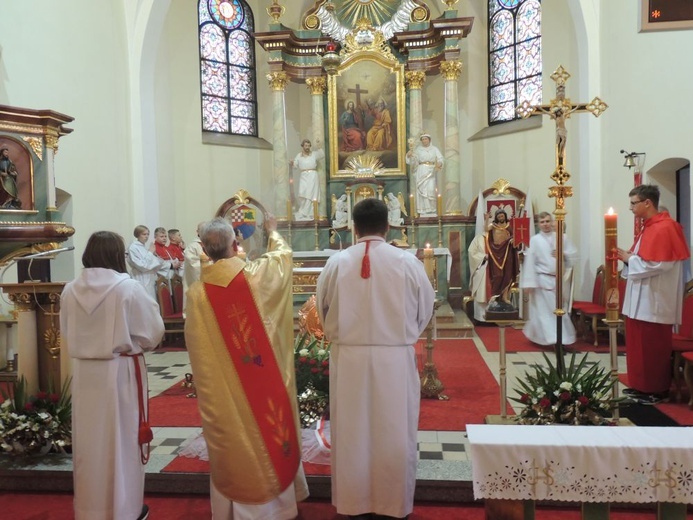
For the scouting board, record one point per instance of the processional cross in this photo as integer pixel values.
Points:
(559, 109)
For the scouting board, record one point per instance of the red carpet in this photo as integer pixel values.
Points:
(173, 408)
(468, 382)
(515, 341)
(43, 506)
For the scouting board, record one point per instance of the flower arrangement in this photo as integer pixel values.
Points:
(582, 395)
(312, 365)
(37, 424)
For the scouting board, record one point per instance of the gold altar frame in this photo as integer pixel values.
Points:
(381, 78)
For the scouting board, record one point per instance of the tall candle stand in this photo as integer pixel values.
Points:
(317, 237)
(612, 298)
(440, 231)
(431, 385)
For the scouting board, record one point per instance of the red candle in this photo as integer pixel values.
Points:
(611, 265)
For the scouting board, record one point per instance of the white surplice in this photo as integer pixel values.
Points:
(103, 314)
(373, 324)
(144, 266)
(478, 259)
(539, 273)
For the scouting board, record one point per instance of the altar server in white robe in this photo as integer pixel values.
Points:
(374, 300)
(538, 279)
(107, 321)
(144, 264)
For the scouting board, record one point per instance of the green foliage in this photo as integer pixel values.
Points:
(32, 424)
(582, 395)
(312, 364)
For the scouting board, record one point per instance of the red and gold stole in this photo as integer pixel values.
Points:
(251, 353)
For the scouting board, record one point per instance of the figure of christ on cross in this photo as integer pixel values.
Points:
(559, 109)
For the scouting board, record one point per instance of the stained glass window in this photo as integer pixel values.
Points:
(227, 67)
(515, 66)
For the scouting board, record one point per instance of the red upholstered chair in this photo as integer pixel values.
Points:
(591, 311)
(173, 320)
(682, 343)
(177, 287)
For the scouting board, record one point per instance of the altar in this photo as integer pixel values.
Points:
(588, 464)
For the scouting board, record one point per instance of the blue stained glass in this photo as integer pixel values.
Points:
(240, 49)
(242, 109)
(243, 126)
(241, 81)
(214, 79)
(503, 66)
(212, 43)
(215, 114)
(227, 13)
(515, 64)
(501, 30)
(227, 67)
(528, 21)
(203, 12)
(529, 58)
(530, 90)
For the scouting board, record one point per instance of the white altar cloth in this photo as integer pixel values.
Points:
(582, 463)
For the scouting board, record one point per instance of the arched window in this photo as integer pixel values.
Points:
(514, 29)
(227, 67)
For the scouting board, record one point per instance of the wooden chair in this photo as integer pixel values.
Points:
(173, 320)
(177, 293)
(591, 311)
(682, 343)
(687, 358)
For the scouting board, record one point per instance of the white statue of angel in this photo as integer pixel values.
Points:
(340, 211)
(394, 210)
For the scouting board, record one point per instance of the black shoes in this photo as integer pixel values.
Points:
(145, 513)
(644, 398)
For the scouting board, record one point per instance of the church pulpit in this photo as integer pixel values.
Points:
(38, 347)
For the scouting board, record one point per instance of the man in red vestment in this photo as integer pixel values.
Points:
(654, 295)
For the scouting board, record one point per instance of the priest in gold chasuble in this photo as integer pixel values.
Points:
(239, 334)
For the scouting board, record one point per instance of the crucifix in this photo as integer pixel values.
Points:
(358, 91)
(559, 109)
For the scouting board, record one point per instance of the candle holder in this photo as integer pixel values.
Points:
(413, 231)
(440, 231)
(613, 357)
(11, 364)
(431, 385)
(317, 236)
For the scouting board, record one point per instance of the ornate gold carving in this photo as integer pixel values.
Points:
(415, 79)
(22, 301)
(36, 146)
(500, 187)
(364, 37)
(311, 22)
(20, 128)
(278, 80)
(451, 69)
(51, 340)
(316, 85)
(365, 166)
(302, 282)
(298, 264)
(420, 14)
(52, 142)
(450, 4)
(560, 193)
(275, 11)
(242, 197)
(65, 230)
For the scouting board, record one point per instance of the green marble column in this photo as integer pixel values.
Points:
(451, 177)
(280, 173)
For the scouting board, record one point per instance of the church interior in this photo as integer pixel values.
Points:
(168, 113)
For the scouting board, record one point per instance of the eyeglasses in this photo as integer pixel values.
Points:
(635, 202)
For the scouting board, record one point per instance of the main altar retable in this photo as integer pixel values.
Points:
(365, 70)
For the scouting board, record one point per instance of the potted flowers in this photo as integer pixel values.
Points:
(37, 424)
(582, 395)
(312, 365)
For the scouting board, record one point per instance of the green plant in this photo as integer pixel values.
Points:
(312, 364)
(582, 395)
(41, 423)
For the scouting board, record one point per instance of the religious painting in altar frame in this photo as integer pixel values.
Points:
(666, 15)
(16, 177)
(367, 120)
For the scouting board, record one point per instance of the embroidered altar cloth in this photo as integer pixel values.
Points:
(582, 463)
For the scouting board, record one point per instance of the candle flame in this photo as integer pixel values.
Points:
(240, 249)
(611, 211)
(428, 245)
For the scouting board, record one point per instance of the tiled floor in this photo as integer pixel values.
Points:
(440, 452)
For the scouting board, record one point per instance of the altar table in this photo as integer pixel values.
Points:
(583, 463)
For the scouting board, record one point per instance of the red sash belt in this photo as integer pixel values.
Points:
(251, 353)
(144, 432)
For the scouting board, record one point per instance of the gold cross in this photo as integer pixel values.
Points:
(559, 109)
